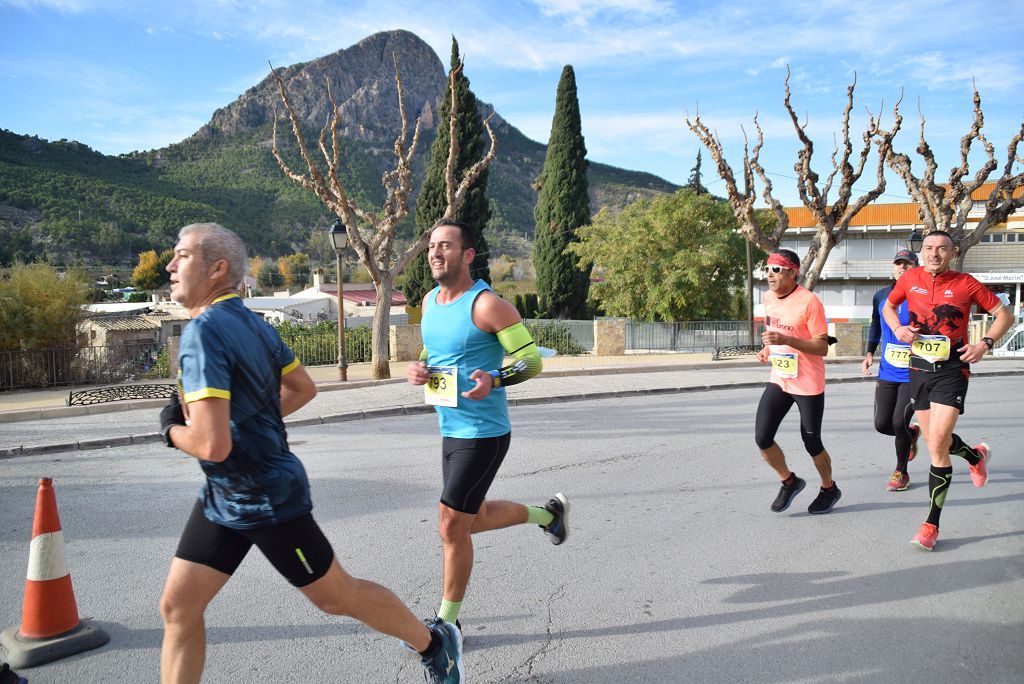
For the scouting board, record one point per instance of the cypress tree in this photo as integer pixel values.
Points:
(432, 201)
(694, 182)
(562, 206)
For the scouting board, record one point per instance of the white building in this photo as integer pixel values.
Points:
(862, 263)
(319, 302)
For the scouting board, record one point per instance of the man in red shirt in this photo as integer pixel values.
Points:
(940, 302)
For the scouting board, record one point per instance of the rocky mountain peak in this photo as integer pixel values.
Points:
(362, 83)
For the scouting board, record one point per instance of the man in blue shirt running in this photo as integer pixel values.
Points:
(238, 381)
(893, 407)
(467, 332)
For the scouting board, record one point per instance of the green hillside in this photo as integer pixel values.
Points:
(65, 202)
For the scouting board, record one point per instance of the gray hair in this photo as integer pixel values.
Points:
(217, 242)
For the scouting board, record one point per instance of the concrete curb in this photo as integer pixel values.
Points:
(46, 413)
(415, 409)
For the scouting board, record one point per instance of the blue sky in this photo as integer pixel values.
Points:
(121, 75)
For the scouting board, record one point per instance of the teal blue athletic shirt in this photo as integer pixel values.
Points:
(451, 339)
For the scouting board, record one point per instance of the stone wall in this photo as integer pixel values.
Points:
(406, 342)
(610, 337)
(850, 336)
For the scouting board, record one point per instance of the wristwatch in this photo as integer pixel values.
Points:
(989, 342)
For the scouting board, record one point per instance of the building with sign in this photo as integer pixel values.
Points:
(862, 263)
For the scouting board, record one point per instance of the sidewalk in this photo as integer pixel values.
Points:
(39, 404)
(49, 427)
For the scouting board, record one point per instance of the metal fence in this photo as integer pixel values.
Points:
(566, 337)
(981, 322)
(77, 366)
(321, 348)
(690, 336)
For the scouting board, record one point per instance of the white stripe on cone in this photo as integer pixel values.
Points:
(46, 559)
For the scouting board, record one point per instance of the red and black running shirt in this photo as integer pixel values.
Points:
(941, 304)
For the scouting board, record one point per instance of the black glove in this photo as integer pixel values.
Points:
(170, 416)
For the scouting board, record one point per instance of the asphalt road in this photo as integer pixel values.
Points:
(675, 571)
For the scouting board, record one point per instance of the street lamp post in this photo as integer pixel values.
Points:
(339, 239)
(914, 241)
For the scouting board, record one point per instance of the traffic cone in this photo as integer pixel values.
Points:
(50, 628)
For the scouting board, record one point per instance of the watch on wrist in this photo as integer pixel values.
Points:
(495, 379)
(989, 342)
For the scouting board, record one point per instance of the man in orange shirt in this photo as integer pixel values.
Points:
(795, 343)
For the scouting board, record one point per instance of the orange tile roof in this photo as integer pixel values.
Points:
(904, 214)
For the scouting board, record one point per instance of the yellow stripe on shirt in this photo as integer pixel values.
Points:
(206, 393)
(290, 367)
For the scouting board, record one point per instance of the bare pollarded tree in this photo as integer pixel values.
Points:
(372, 234)
(947, 206)
(831, 220)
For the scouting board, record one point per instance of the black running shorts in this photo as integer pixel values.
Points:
(297, 548)
(947, 387)
(468, 467)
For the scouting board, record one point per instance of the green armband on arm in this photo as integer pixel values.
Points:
(519, 344)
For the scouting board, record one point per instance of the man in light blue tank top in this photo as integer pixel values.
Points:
(467, 332)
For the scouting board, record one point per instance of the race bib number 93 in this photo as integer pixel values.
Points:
(442, 387)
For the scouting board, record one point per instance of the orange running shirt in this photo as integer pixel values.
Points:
(798, 314)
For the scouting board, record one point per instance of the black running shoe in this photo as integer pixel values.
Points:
(558, 529)
(444, 666)
(787, 493)
(825, 500)
(428, 622)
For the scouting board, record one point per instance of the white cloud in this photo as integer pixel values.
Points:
(62, 6)
(936, 72)
(581, 12)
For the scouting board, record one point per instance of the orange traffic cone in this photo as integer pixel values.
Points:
(50, 628)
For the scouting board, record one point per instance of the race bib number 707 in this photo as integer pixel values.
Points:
(931, 347)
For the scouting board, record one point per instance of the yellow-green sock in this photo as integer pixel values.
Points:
(449, 610)
(538, 515)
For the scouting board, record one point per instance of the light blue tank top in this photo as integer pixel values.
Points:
(451, 339)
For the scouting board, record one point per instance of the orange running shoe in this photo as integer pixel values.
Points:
(898, 482)
(916, 429)
(926, 536)
(979, 473)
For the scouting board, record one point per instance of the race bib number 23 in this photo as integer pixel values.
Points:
(784, 365)
(442, 388)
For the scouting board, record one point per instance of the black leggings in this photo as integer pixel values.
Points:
(774, 406)
(893, 411)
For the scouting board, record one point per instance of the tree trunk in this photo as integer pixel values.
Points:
(381, 369)
(958, 263)
(814, 268)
